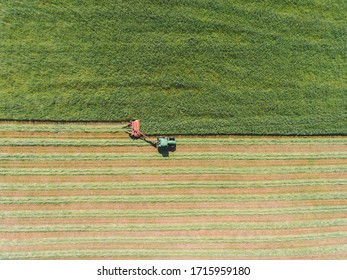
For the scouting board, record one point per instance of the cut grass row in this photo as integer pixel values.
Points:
(176, 156)
(320, 223)
(174, 185)
(176, 239)
(173, 198)
(171, 213)
(175, 192)
(174, 170)
(62, 127)
(191, 165)
(157, 253)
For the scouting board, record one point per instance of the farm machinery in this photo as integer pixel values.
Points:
(164, 144)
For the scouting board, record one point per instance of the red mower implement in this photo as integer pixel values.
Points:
(135, 129)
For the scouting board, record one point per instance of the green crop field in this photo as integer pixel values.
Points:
(182, 66)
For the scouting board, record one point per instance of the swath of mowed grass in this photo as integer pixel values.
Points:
(277, 198)
(246, 67)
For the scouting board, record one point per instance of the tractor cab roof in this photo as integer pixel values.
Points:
(163, 141)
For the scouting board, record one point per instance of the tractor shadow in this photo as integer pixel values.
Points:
(165, 152)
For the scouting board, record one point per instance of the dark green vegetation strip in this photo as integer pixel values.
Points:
(182, 66)
(157, 253)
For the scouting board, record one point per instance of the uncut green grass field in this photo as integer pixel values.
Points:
(181, 66)
(87, 191)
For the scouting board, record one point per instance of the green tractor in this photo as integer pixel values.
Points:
(165, 144)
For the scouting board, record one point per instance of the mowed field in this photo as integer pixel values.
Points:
(89, 191)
